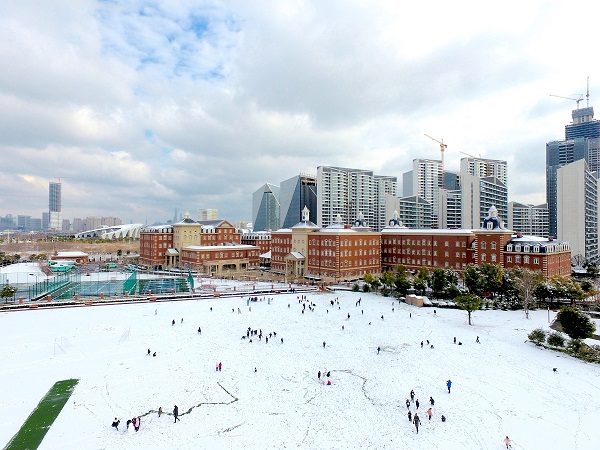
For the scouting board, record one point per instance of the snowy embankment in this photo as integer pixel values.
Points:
(501, 386)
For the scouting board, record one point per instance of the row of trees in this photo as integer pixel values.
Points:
(497, 287)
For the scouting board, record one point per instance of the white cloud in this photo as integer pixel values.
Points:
(193, 105)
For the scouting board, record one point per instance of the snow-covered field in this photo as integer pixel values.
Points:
(502, 386)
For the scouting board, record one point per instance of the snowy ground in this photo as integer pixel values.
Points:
(501, 386)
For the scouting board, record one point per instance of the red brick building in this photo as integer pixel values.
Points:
(220, 259)
(260, 239)
(154, 243)
(492, 244)
(338, 251)
(548, 256)
(160, 246)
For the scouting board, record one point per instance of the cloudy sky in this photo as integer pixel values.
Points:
(141, 107)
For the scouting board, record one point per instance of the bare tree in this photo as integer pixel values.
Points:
(526, 281)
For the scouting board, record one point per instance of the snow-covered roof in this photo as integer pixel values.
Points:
(71, 254)
(425, 231)
(220, 247)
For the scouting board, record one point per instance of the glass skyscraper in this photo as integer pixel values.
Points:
(296, 193)
(582, 141)
(265, 208)
(55, 206)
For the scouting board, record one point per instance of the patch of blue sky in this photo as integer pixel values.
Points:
(189, 45)
(199, 25)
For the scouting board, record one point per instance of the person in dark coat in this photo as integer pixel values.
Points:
(176, 414)
(116, 423)
(417, 422)
(409, 416)
(432, 401)
(417, 403)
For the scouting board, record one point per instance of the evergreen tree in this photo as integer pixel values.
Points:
(575, 323)
(469, 303)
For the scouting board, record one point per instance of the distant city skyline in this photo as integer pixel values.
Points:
(143, 108)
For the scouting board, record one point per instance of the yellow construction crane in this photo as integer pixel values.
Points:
(577, 100)
(442, 148)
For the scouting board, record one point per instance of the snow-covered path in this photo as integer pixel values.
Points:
(501, 386)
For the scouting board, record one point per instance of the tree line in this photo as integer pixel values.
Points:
(497, 287)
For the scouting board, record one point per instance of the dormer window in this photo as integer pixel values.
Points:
(509, 248)
(536, 249)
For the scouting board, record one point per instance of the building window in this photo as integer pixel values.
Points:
(493, 257)
(483, 245)
(536, 261)
(493, 246)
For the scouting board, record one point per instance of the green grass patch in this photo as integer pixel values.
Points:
(32, 432)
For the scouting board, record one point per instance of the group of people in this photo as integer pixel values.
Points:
(414, 418)
(136, 422)
(327, 374)
(428, 344)
(250, 332)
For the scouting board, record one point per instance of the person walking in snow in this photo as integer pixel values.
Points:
(429, 413)
(449, 385)
(477, 340)
(323, 344)
(412, 395)
(173, 323)
(378, 350)
(176, 414)
(409, 416)
(417, 422)
(408, 403)
(432, 401)
(507, 442)
(199, 330)
(220, 366)
(417, 403)
(116, 423)
(319, 374)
